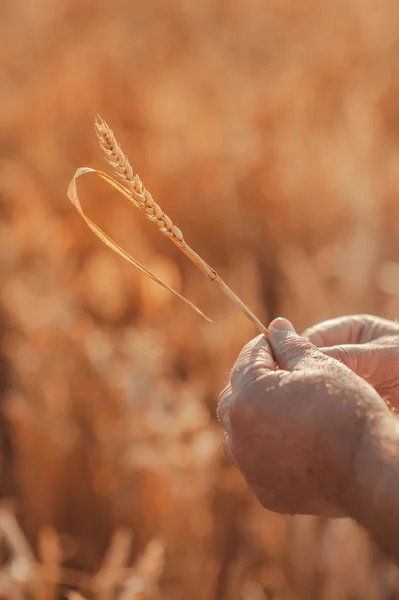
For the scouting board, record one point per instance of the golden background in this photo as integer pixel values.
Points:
(269, 132)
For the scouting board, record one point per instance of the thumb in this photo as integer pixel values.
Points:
(291, 351)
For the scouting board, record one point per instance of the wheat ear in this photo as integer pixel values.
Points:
(143, 200)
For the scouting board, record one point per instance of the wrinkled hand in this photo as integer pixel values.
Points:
(293, 430)
(368, 345)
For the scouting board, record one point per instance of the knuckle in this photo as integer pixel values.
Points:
(242, 410)
(290, 349)
(222, 410)
(313, 334)
(250, 357)
(367, 318)
(245, 379)
(227, 449)
(250, 402)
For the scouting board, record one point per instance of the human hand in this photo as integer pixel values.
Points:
(368, 345)
(293, 430)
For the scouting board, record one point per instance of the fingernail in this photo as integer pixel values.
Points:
(282, 325)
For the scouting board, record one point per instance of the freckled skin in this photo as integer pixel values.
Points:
(311, 435)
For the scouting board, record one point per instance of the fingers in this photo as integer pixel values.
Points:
(351, 329)
(255, 356)
(254, 360)
(343, 330)
(289, 349)
(258, 359)
(354, 356)
(293, 352)
(376, 364)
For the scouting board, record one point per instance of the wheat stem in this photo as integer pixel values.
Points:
(143, 200)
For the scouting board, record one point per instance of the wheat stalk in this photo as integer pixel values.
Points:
(145, 202)
(133, 189)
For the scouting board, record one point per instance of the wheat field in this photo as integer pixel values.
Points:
(269, 132)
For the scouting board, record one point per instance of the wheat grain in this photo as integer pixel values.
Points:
(122, 168)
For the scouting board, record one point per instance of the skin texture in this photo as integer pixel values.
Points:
(368, 345)
(310, 435)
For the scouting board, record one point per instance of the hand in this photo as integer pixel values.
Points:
(293, 431)
(368, 345)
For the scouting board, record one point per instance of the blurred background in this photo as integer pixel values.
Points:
(269, 131)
